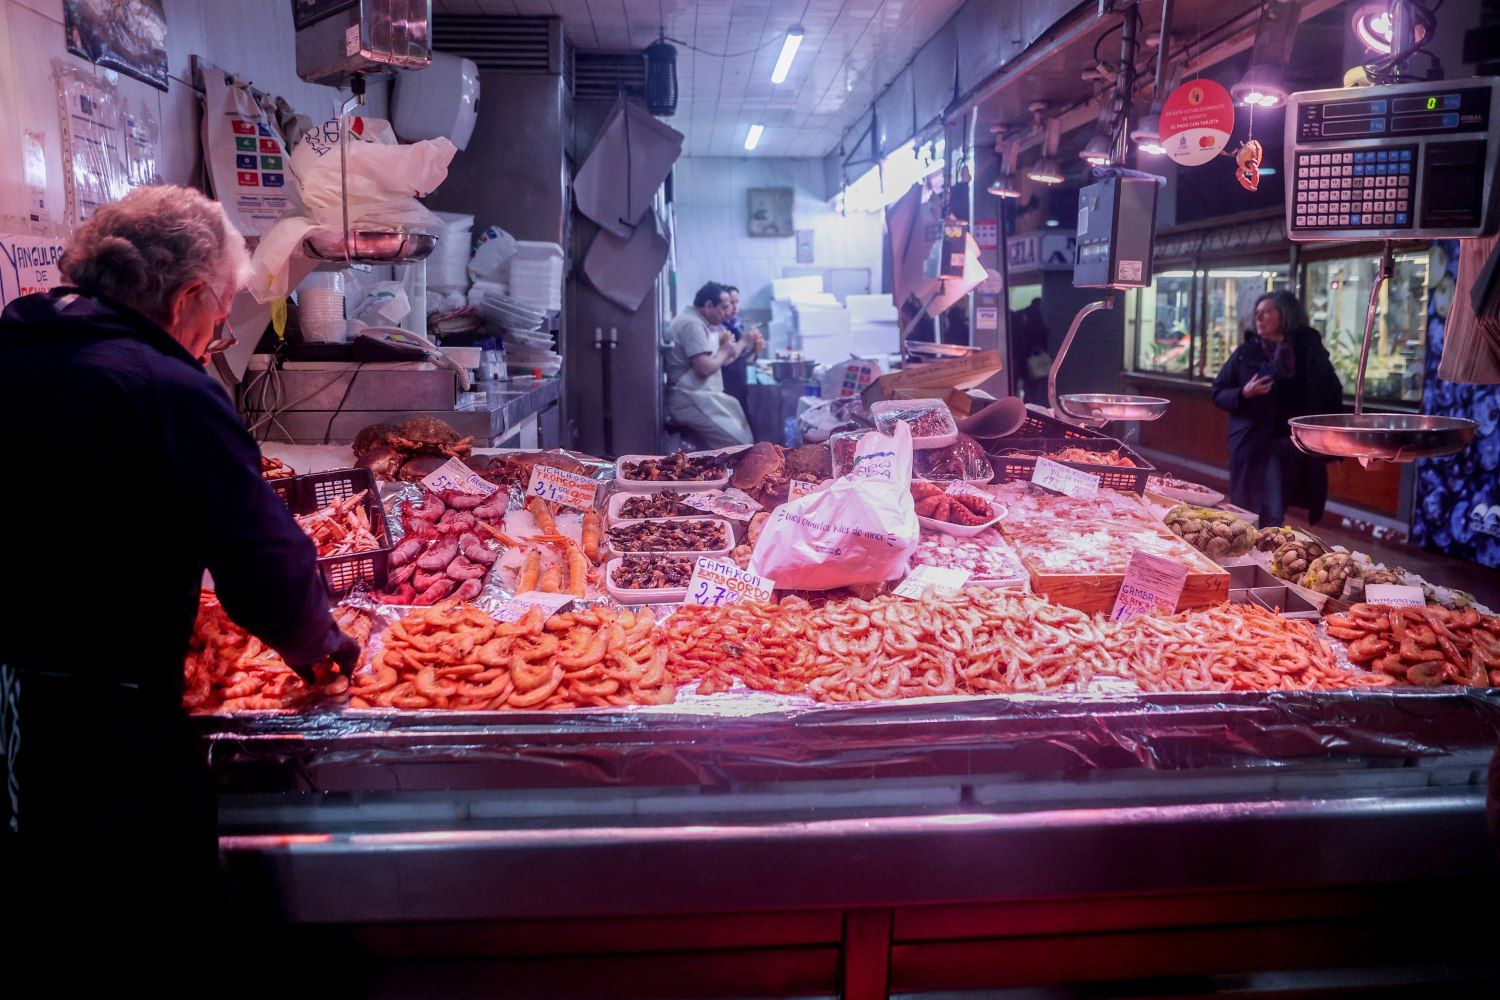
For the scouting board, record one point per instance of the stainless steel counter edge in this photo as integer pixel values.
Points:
(848, 862)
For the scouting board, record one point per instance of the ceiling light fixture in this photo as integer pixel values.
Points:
(1007, 184)
(1046, 170)
(1147, 132)
(1096, 152)
(752, 138)
(789, 47)
(1262, 87)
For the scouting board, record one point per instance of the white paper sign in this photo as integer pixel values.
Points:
(796, 489)
(455, 475)
(520, 606)
(731, 503)
(715, 582)
(561, 486)
(1152, 584)
(1065, 479)
(941, 580)
(959, 488)
(1396, 594)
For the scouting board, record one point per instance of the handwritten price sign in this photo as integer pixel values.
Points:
(560, 486)
(455, 475)
(1151, 584)
(796, 489)
(715, 582)
(1064, 479)
(520, 606)
(1397, 595)
(731, 503)
(941, 580)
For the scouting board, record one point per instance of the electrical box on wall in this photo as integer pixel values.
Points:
(1116, 233)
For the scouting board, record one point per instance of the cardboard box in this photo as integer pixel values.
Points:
(937, 380)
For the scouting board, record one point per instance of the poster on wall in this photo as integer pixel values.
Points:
(771, 212)
(1457, 510)
(125, 35)
(28, 264)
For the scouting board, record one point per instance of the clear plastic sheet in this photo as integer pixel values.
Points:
(733, 738)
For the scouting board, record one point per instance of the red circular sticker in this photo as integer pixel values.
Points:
(1196, 121)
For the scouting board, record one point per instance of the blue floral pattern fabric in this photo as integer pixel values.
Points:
(1457, 508)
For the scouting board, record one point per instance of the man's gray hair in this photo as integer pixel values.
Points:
(143, 248)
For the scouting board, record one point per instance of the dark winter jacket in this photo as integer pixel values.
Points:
(128, 473)
(1255, 424)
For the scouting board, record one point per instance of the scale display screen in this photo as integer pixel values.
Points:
(1451, 111)
(1401, 161)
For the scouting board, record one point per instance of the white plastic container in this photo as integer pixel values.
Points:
(888, 411)
(718, 553)
(536, 275)
(617, 501)
(626, 595)
(962, 530)
(320, 308)
(652, 485)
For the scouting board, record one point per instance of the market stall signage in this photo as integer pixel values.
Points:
(941, 580)
(715, 582)
(455, 475)
(1196, 121)
(1152, 583)
(731, 503)
(562, 486)
(1395, 594)
(520, 606)
(1065, 479)
(28, 264)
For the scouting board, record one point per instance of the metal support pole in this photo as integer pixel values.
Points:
(1108, 302)
(1386, 265)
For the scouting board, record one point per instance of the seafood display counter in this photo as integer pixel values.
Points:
(560, 770)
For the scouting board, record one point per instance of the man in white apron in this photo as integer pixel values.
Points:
(699, 350)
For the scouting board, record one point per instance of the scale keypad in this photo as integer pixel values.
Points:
(1354, 189)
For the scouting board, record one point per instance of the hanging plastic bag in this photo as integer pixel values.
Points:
(494, 247)
(245, 156)
(385, 178)
(861, 529)
(93, 143)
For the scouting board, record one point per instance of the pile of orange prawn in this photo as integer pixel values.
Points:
(990, 642)
(342, 528)
(1424, 646)
(229, 670)
(455, 656)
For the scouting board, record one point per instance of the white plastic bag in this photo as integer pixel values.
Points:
(494, 247)
(385, 179)
(385, 303)
(861, 529)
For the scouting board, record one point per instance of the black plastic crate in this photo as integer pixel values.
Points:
(316, 490)
(1019, 468)
(1039, 425)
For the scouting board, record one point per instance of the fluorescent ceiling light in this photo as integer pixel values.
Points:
(752, 139)
(789, 48)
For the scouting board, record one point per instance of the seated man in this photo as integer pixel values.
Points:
(699, 350)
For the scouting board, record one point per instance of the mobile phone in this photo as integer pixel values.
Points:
(1267, 369)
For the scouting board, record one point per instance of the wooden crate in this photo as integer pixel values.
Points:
(1096, 592)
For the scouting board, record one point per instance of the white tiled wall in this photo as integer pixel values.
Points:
(712, 234)
(252, 38)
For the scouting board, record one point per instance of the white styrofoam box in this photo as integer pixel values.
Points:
(823, 321)
(826, 350)
(875, 338)
(790, 288)
(872, 308)
(536, 275)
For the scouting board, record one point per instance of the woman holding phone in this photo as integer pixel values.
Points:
(1281, 371)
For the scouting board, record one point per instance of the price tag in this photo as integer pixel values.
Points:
(1398, 595)
(1152, 584)
(455, 475)
(1065, 479)
(797, 489)
(941, 580)
(561, 486)
(963, 489)
(731, 503)
(715, 582)
(520, 606)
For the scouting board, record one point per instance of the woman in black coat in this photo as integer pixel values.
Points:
(1281, 371)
